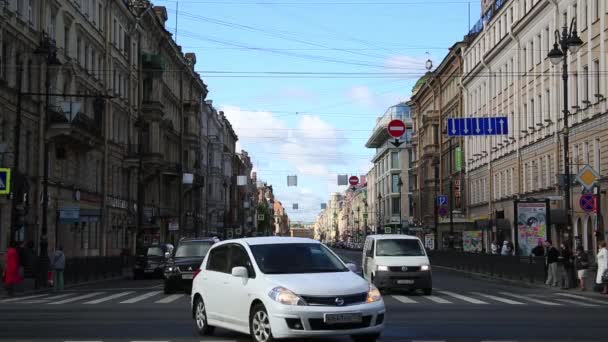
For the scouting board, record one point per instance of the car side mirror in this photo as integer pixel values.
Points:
(240, 272)
(167, 255)
(352, 267)
(368, 253)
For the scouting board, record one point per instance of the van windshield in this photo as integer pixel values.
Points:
(399, 247)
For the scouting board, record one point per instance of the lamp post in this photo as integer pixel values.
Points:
(568, 41)
(358, 223)
(379, 213)
(399, 185)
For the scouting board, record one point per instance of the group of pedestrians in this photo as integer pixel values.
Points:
(21, 262)
(565, 268)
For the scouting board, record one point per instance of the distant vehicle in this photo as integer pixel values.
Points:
(181, 267)
(151, 261)
(283, 287)
(397, 262)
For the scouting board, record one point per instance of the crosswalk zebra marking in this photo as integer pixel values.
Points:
(438, 300)
(530, 299)
(592, 300)
(108, 298)
(10, 300)
(499, 299)
(140, 298)
(464, 298)
(47, 299)
(404, 299)
(170, 299)
(576, 302)
(74, 299)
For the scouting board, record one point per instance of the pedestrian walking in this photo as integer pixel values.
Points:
(494, 247)
(539, 250)
(581, 264)
(564, 261)
(58, 268)
(602, 267)
(12, 274)
(507, 249)
(552, 255)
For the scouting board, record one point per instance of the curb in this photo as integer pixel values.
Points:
(67, 286)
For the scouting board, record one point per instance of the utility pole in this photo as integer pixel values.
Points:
(451, 201)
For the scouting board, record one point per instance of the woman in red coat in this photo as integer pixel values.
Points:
(12, 276)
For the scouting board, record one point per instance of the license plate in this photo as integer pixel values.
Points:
(187, 276)
(343, 318)
(405, 281)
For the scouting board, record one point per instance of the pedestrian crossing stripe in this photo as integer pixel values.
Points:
(108, 298)
(499, 299)
(140, 298)
(170, 299)
(571, 301)
(592, 300)
(75, 299)
(465, 298)
(530, 299)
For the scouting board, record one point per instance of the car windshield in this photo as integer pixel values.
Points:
(198, 249)
(399, 247)
(296, 258)
(155, 251)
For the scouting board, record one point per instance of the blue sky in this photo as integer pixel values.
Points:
(313, 127)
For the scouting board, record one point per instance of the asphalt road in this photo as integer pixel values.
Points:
(461, 309)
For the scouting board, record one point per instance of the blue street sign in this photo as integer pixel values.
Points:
(458, 127)
(5, 181)
(442, 200)
(587, 202)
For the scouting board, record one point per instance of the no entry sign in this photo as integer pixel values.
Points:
(353, 180)
(396, 128)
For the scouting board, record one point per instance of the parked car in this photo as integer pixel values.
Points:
(150, 262)
(181, 267)
(283, 287)
(397, 262)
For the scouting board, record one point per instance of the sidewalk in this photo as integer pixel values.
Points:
(27, 286)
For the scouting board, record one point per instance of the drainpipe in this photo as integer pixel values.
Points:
(517, 106)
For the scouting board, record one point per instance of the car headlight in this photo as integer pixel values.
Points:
(382, 268)
(373, 295)
(170, 269)
(284, 296)
(425, 267)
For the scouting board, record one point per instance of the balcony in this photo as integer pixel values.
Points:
(150, 160)
(152, 63)
(192, 137)
(67, 124)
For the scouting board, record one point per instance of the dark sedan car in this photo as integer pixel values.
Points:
(150, 262)
(181, 268)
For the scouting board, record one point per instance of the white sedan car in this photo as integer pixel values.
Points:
(281, 287)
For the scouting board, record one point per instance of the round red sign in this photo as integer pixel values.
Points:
(353, 180)
(396, 128)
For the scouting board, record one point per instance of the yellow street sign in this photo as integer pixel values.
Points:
(587, 176)
(5, 181)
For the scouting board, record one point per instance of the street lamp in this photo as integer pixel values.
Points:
(379, 213)
(568, 41)
(399, 185)
(358, 223)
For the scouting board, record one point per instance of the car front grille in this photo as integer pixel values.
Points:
(336, 300)
(187, 268)
(408, 269)
(319, 324)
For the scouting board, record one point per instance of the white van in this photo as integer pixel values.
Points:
(393, 261)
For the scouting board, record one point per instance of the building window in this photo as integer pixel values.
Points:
(585, 14)
(596, 10)
(396, 205)
(586, 84)
(100, 17)
(395, 160)
(596, 155)
(86, 57)
(548, 104)
(576, 88)
(52, 25)
(596, 71)
(78, 50)
(394, 183)
(115, 32)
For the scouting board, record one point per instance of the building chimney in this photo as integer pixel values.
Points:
(191, 59)
(161, 14)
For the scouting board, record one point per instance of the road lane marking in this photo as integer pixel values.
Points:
(140, 298)
(74, 299)
(461, 297)
(438, 300)
(530, 299)
(404, 299)
(170, 299)
(576, 302)
(498, 299)
(592, 300)
(105, 299)
(47, 299)
(10, 300)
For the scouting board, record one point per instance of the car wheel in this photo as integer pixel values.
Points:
(366, 337)
(259, 325)
(428, 292)
(167, 289)
(200, 317)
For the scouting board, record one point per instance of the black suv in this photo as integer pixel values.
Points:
(181, 268)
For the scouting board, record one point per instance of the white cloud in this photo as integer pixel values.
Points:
(362, 95)
(403, 63)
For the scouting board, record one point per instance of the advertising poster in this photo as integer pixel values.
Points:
(472, 241)
(531, 225)
(429, 241)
